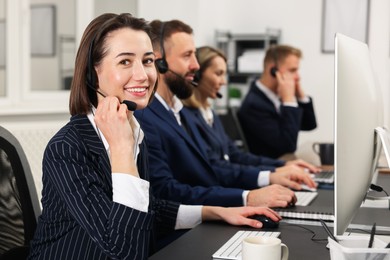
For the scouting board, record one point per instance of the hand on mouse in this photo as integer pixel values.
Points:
(239, 215)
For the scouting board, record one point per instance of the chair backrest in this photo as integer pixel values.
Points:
(19, 205)
(233, 128)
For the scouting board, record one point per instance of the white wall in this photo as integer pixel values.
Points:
(50, 77)
(115, 6)
(301, 25)
(2, 53)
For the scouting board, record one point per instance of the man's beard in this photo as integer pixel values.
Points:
(179, 86)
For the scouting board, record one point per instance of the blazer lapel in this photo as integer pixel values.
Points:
(94, 145)
(268, 105)
(209, 131)
(160, 111)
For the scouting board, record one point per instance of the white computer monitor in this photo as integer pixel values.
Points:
(358, 111)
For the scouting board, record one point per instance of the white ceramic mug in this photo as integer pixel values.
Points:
(269, 248)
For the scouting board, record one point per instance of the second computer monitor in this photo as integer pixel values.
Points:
(358, 111)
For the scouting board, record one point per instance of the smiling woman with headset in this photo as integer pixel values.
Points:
(96, 198)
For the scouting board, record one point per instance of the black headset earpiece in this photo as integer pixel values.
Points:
(198, 73)
(161, 63)
(274, 69)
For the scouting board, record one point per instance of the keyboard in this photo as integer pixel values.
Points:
(304, 198)
(324, 177)
(232, 248)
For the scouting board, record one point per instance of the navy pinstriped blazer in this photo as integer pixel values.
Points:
(268, 132)
(219, 145)
(79, 219)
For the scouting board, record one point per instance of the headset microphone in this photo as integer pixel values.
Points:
(219, 95)
(91, 80)
(132, 106)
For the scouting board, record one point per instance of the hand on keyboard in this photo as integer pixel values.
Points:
(291, 176)
(271, 196)
(307, 188)
(305, 198)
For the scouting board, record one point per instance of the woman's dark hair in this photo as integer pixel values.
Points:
(91, 51)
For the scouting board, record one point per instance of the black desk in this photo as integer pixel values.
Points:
(204, 240)
(367, 216)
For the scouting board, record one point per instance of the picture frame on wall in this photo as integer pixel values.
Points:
(349, 17)
(43, 30)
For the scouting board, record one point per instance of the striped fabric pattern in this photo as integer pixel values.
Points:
(79, 219)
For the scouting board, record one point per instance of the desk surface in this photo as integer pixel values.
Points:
(204, 240)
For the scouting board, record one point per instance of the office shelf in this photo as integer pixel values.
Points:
(235, 45)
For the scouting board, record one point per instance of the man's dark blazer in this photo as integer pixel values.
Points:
(178, 163)
(269, 132)
(79, 218)
(219, 145)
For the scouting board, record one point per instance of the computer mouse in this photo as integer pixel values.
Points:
(267, 222)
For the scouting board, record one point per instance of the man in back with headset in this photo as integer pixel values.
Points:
(276, 107)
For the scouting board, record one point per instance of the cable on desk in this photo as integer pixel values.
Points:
(378, 188)
(379, 233)
(307, 229)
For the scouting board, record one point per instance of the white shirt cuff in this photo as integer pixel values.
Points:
(263, 179)
(188, 216)
(304, 100)
(244, 197)
(130, 191)
(290, 104)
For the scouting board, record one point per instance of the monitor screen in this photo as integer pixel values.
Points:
(358, 111)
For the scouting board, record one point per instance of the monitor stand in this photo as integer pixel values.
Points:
(384, 135)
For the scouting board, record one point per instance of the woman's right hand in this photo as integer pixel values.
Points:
(112, 119)
(239, 215)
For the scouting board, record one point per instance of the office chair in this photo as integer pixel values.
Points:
(233, 128)
(19, 205)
